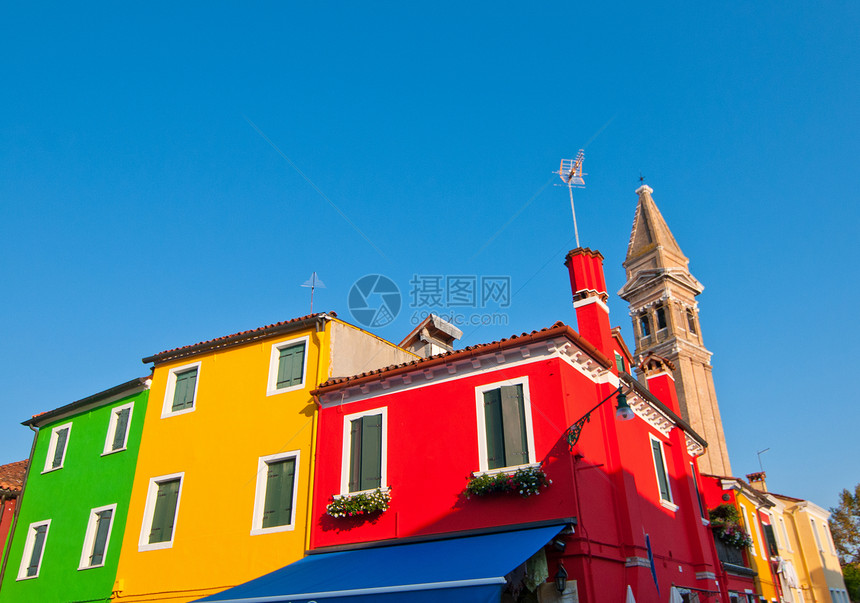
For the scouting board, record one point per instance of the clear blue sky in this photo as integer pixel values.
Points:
(140, 210)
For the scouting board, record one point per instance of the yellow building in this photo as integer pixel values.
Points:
(223, 481)
(808, 567)
(753, 507)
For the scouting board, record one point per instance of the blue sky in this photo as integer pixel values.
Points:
(142, 206)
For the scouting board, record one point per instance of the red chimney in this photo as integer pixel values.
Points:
(589, 297)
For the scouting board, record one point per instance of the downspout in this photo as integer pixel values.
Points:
(791, 512)
(18, 506)
(311, 474)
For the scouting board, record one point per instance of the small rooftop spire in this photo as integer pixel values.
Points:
(650, 230)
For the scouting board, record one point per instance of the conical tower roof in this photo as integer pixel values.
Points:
(650, 232)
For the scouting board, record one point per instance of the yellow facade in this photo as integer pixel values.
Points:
(216, 449)
(813, 551)
(750, 504)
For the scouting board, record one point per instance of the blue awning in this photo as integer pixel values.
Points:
(466, 569)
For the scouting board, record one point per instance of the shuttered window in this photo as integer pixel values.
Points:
(660, 467)
(121, 428)
(280, 481)
(39, 534)
(164, 515)
(183, 390)
(365, 459)
(291, 365)
(505, 425)
(103, 523)
(60, 448)
(619, 362)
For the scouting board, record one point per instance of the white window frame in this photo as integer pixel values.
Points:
(272, 384)
(785, 534)
(90, 537)
(748, 528)
(347, 448)
(149, 511)
(167, 408)
(828, 536)
(28, 549)
(816, 534)
(260, 495)
(483, 463)
(52, 447)
(114, 422)
(762, 544)
(670, 503)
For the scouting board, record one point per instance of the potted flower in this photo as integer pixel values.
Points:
(361, 503)
(726, 524)
(525, 481)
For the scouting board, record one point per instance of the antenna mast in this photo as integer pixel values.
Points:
(571, 173)
(313, 282)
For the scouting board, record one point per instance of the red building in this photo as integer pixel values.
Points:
(419, 443)
(11, 483)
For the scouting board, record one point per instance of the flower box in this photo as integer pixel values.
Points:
(361, 503)
(525, 481)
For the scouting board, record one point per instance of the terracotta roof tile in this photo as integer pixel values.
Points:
(227, 339)
(558, 328)
(12, 475)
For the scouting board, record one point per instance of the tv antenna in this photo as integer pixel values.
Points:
(313, 282)
(759, 453)
(571, 173)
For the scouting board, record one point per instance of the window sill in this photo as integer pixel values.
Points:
(155, 546)
(49, 471)
(87, 567)
(273, 530)
(506, 470)
(383, 489)
(669, 505)
(174, 413)
(284, 390)
(109, 452)
(705, 522)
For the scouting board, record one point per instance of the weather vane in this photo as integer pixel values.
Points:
(571, 173)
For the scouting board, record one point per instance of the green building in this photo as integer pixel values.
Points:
(67, 536)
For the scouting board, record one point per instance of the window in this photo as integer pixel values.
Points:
(661, 318)
(770, 537)
(619, 362)
(365, 451)
(698, 494)
(748, 528)
(275, 501)
(662, 473)
(160, 512)
(644, 325)
(34, 549)
(691, 321)
(97, 537)
(117, 434)
(287, 366)
(57, 448)
(181, 392)
(504, 425)
(784, 534)
(815, 533)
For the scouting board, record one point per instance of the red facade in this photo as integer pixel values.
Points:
(436, 417)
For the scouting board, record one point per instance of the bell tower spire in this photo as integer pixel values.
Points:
(661, 294)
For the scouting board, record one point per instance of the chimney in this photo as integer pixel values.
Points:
(589, 297)
(433, 335)
(756, 480)
(658, 377)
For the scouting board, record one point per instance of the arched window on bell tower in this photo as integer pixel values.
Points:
(644, 325)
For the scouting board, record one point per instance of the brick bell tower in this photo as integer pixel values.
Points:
(662, 294)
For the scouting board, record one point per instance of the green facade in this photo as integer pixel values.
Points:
(97, 472)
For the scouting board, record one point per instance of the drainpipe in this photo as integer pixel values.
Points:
(18, 506)
(791, 512)
(321, 340)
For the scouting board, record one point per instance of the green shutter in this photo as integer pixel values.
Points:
(36, 555)
(165, 512)
(514, 422)
(355, 455)
(103, 522)
(121, 428)
(60, 448)
(371, 452)
(280, 479)
(494, 429)
(662, 478)
(619, 362)
(291, 364)
(183, 391)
